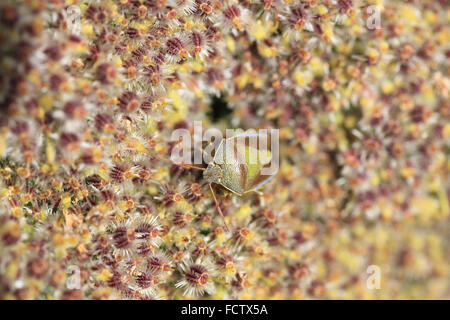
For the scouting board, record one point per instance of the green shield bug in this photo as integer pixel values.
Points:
(241, 164)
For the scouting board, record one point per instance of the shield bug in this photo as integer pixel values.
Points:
(241, 164)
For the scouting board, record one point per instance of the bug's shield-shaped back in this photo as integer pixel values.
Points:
(248, 163)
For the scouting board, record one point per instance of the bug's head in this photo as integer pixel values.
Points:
(213, 173)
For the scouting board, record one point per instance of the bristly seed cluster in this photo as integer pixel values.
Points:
(90, 92)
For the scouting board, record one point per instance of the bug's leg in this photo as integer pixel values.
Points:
(218, 207)
(261, 198)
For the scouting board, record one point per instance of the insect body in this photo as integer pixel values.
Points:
(241, 164)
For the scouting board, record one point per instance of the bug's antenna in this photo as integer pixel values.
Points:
(183, 164)
(218, 207)
(188, 166)
(193, 167)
